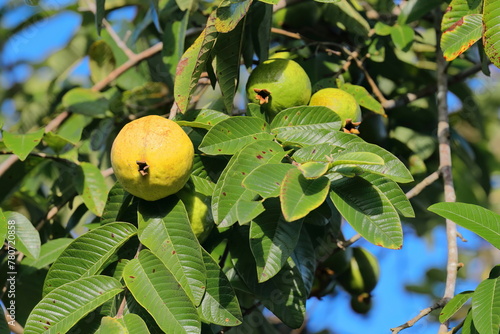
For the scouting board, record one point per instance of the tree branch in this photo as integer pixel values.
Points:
(422, 185)
(420, 315)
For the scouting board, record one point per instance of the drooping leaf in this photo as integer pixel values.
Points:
(232, 134)
(60, 309)
(299, 195)
(164, 228)
(22, 235)
(229, 189)
(102, 60)
(457, 9)
(174, 31)
(486, 306)
(454, 305)
(90, 184)
(272, 241)
(86, 102)
(370, 214)
(260, 28)
(22, 145)
(157, 290)
(227, 57)
(284, 294)
(306, 118)
(491, 38)
(87, 254)
(266, 179)
(229, 14)
(49, 252)
(116, 204)
(192, 64)
(219, 305)
(479, 220)
(461, 36)
(99, 15)
(305, 259)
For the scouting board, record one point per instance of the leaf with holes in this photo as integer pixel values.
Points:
(232, 134)
(164, 228)
(87, 255)
(60, 309)
(229, 189)
(229, 13)
(461, 36)
(479, 220)
(486, 306)
(272, 241)
(299, 195)
(157, 290)
(369, 212)
(192, 64)
(22, 145)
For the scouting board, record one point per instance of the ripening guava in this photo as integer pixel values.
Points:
(343, 103)
(278, 84)
(152, 157)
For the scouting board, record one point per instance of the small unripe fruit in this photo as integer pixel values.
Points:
(343, 103)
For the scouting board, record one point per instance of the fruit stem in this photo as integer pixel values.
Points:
(143, 167)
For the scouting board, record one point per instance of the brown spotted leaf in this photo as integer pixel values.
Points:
(229, 14)
(461, 36)
(492, 30)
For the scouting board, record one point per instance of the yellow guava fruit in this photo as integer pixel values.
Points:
(152, 157)
(198, 209)
(278, 84)
(343, 103)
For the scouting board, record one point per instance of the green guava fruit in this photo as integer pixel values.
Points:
(343, 103)
(278, 84)
(362, 275)
(199, 213)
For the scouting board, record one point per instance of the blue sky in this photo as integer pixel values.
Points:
(392, 304)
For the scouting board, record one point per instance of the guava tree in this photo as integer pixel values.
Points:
(258, 225)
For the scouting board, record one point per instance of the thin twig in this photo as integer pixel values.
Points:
(420, 315)
(422, 185)
(445, 167)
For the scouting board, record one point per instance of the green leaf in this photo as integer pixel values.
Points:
(229, 14)
(367, 211)
(491, 38)
(320, 152)
(306, 118)
(272, 241)
(227, 57)
(454, 305)
(59, 310)
(479, 220)
(174, 32)
(232, 134)
(457, 9)
(266, 180)
(415, 9)
(87, 254)
(102, 60)
(313, 169)
(363, 97)
(229, 190)
(116, 204)
(284, 294)
(86, 102)
(219, 305)
(130, 324)
(460, 37)
(90, 184)
(204, 119)
(184, 4)
(99, 15)
(146, 96)
(486, 306)
(299, 195)
(359, 158)
(271, 2)
(382, 29)
(72, 128)
(192, 64)
(327, 1)
(468, 326)
(157, 290)
(22, 145)
(247, 210)
(22, 235)
(49, 252)
(164, 228)
(391, 190)
(4, 223)
(392, 168)
(316, 137)
(305, 259)
(402, 36)
(345, 16)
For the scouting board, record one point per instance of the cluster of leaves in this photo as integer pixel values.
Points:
(278, 189)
